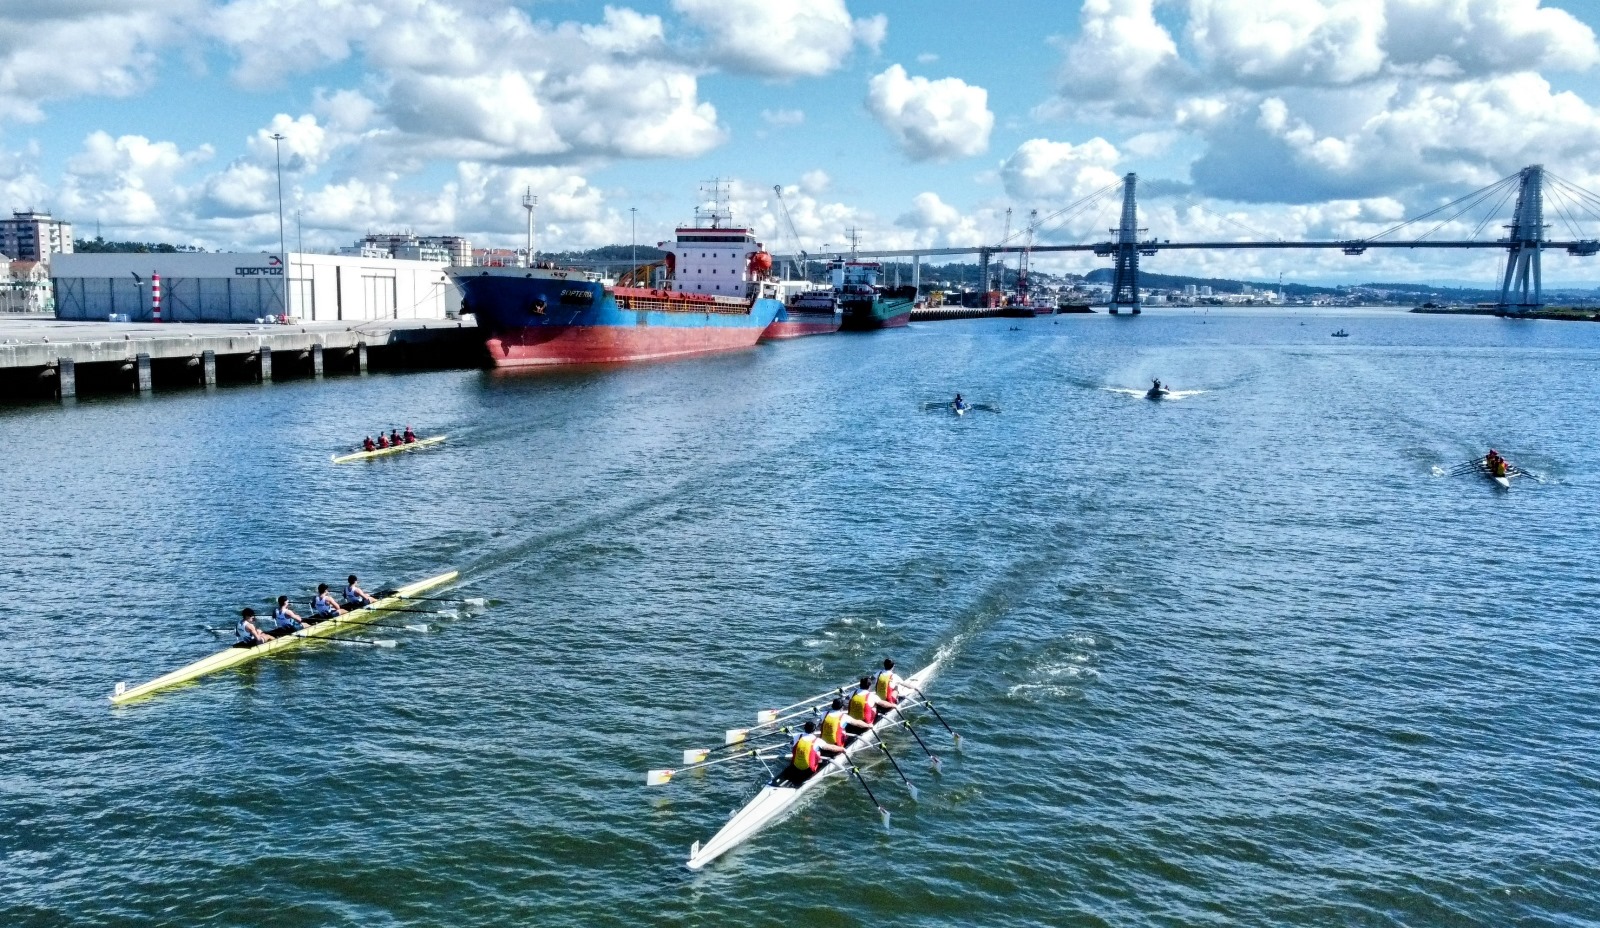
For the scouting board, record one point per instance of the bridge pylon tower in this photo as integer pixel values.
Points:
(1523, 245)
(1125, 277)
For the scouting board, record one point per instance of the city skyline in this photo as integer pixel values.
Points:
(1318, 119)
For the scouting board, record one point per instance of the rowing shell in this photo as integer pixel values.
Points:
(392, 449)
(773, 802)
(235, 656)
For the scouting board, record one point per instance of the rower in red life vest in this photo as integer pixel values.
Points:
(1495, 463)
(410, 436)
(884, 688)
(838, 727)
(805, 757)
(369, 445)
(863, 708)
(383, 440)
(394, 438)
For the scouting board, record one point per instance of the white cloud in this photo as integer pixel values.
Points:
(1042, 168)
(931, 120)
(815, 181)
(780, 38)
(783, 118)
(127, 181)
(59, 50)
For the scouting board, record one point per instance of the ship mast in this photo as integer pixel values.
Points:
(529, 201)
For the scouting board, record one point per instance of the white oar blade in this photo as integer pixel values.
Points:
(695, 755)
(734, 735)
(659, 777)
(766, 716)
(912, 789)
(958, 740)
(476, 601)
(938, 765)
(884, 814)
(418, 628)
(385, 643)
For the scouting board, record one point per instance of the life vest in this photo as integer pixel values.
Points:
(885, 686)
(368, 445)
(282, 618)
(861, 707)
(806, 756)
(324, 605)
(833, 727)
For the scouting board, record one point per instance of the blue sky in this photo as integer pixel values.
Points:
(917, 123)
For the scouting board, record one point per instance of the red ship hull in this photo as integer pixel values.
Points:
(795, 328)
(552, 345)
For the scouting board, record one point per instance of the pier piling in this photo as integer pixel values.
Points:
(266, 364)
(143, 381)
(208, 368)
(316, 361)
(361, 357)
(66, 379)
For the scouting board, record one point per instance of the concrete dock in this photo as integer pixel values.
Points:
(42, 357)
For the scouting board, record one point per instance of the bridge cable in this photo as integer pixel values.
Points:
(1480, 194)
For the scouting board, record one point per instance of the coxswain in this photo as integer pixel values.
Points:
(323, 607)
(838, 727)
(410, 436)
(369, 444)
(861, 705)
(354, 596)
(883, 688)
(394, 438)
(383, 440)
(805, 756)
(246, 631)
(288, 621)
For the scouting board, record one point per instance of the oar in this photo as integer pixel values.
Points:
(882, 812)
(929, 703)
(691, 755)
(663, 777)
(766, 716)
(1515, 471)
(808, 710)
(910, 786)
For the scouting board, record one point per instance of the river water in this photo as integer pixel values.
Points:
(1236, 658)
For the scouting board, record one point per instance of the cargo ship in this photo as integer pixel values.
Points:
(814, 311)
(715, 293)
(867, 305)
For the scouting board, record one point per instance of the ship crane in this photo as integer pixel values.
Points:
(794, 237)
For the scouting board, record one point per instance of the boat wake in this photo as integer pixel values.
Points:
(946, 407)
(1169, 395)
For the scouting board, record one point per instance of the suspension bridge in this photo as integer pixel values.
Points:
(1524, 242)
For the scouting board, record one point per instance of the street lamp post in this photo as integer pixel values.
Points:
(277, 150)
(633, 245)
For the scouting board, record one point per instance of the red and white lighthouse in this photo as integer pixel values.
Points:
(155, 297)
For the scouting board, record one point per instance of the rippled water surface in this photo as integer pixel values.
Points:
(1239, 657)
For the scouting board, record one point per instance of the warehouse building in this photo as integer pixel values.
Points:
(222, 287)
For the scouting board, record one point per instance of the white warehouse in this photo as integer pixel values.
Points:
(221, 287)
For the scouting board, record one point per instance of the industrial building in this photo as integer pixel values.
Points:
(224, 287)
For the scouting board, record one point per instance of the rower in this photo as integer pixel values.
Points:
(410, 436)
(354, 596)
(805, 757)
(369, 444)
(323, 607)
(395, 439)
(838, 727)
(288, 621)
(1155, 386)
(883, 688)
(246, 631)
(383, 440)
(959, 402)
(861, 706)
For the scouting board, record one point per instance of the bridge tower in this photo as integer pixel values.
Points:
(1125, 278)
(1523, 246)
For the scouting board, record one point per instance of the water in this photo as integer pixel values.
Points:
(1237, 657)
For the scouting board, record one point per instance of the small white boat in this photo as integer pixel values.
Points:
(773, 802)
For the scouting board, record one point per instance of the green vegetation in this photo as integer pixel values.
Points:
(98, 245)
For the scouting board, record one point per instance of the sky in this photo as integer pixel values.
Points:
(918, 123)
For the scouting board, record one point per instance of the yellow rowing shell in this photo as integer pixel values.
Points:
(392, 449)
(233, 657)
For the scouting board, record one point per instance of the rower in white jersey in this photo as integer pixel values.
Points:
(246, 632)
(288, 620)
(323, 607)
(354, 596)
